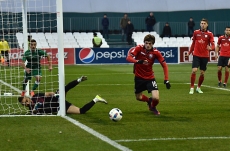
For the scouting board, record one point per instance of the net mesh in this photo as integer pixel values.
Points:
(41, 25)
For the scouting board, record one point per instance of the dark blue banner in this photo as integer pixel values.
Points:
(116, 55)
(169, 53)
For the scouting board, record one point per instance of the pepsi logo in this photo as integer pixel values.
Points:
(86, 55)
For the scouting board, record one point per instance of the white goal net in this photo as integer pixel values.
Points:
(41, 23)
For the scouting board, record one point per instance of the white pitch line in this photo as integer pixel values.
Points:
(173, 138)
(217, 88)
(98, 135)
(14, 88)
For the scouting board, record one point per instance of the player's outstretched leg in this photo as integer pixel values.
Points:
(89, 105)
(73, 83)
(99, 99)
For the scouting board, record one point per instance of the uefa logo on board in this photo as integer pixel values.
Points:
(86, 55)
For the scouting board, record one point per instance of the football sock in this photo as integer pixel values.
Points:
(201, 79)
(154, 102)
(219, 74)
(35, 86)
(226, 76)
(193, 78)
(24, 84)
(144, 98)
(71, 85)
(86, 107)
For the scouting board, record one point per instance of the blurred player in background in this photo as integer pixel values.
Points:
(48, 103)
(202, 43)
(223, 49)
(5, 50)
(143, 57)
(33, 66)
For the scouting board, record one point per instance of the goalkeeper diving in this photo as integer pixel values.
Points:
(48, 103)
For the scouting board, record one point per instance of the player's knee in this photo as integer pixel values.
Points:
(219, 69)
(82, 111)
(139, 98)
(194, 71)
(202, 72)
(37, 82)
(25, 80)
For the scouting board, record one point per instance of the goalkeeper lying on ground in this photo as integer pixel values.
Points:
(47, 103)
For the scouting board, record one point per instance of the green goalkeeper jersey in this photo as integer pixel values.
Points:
(33, 58)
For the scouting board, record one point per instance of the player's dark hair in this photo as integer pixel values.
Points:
(205, 20)
(32, 40)
(20, 99)
(227, 27)
(149, 38)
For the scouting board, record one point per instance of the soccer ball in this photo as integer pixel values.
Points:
(115, 114)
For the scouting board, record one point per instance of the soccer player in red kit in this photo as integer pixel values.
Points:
(223, 49)
(143, 57)
(203, 42)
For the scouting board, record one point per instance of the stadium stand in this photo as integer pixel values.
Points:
(70, 40)
(163, 42)
(83, 39)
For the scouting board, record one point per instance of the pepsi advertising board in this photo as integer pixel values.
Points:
(101, 55)
(117, 55)
(170, 54)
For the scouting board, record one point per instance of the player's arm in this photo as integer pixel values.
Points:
(132, 56)
(49, 61)
(192, 46)
(212, 47)
(93, 42)
(217, 49)
(165, 69)
(8, 47)
(193, 43)
(23, 63)
(164, 65)
(49, 94)
(43, 53)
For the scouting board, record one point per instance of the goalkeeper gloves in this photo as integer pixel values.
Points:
(166, 82)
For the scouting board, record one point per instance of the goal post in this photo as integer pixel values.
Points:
(41, 19)
(61, 63)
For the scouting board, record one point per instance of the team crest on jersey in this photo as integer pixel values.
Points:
(201, 41)
(205, 36)
(226, 44)
(150, 56)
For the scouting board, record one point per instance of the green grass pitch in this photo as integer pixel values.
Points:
(187, 122)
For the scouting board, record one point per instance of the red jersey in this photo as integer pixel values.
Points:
(146, 71)
(224, 43)
(202, 39)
